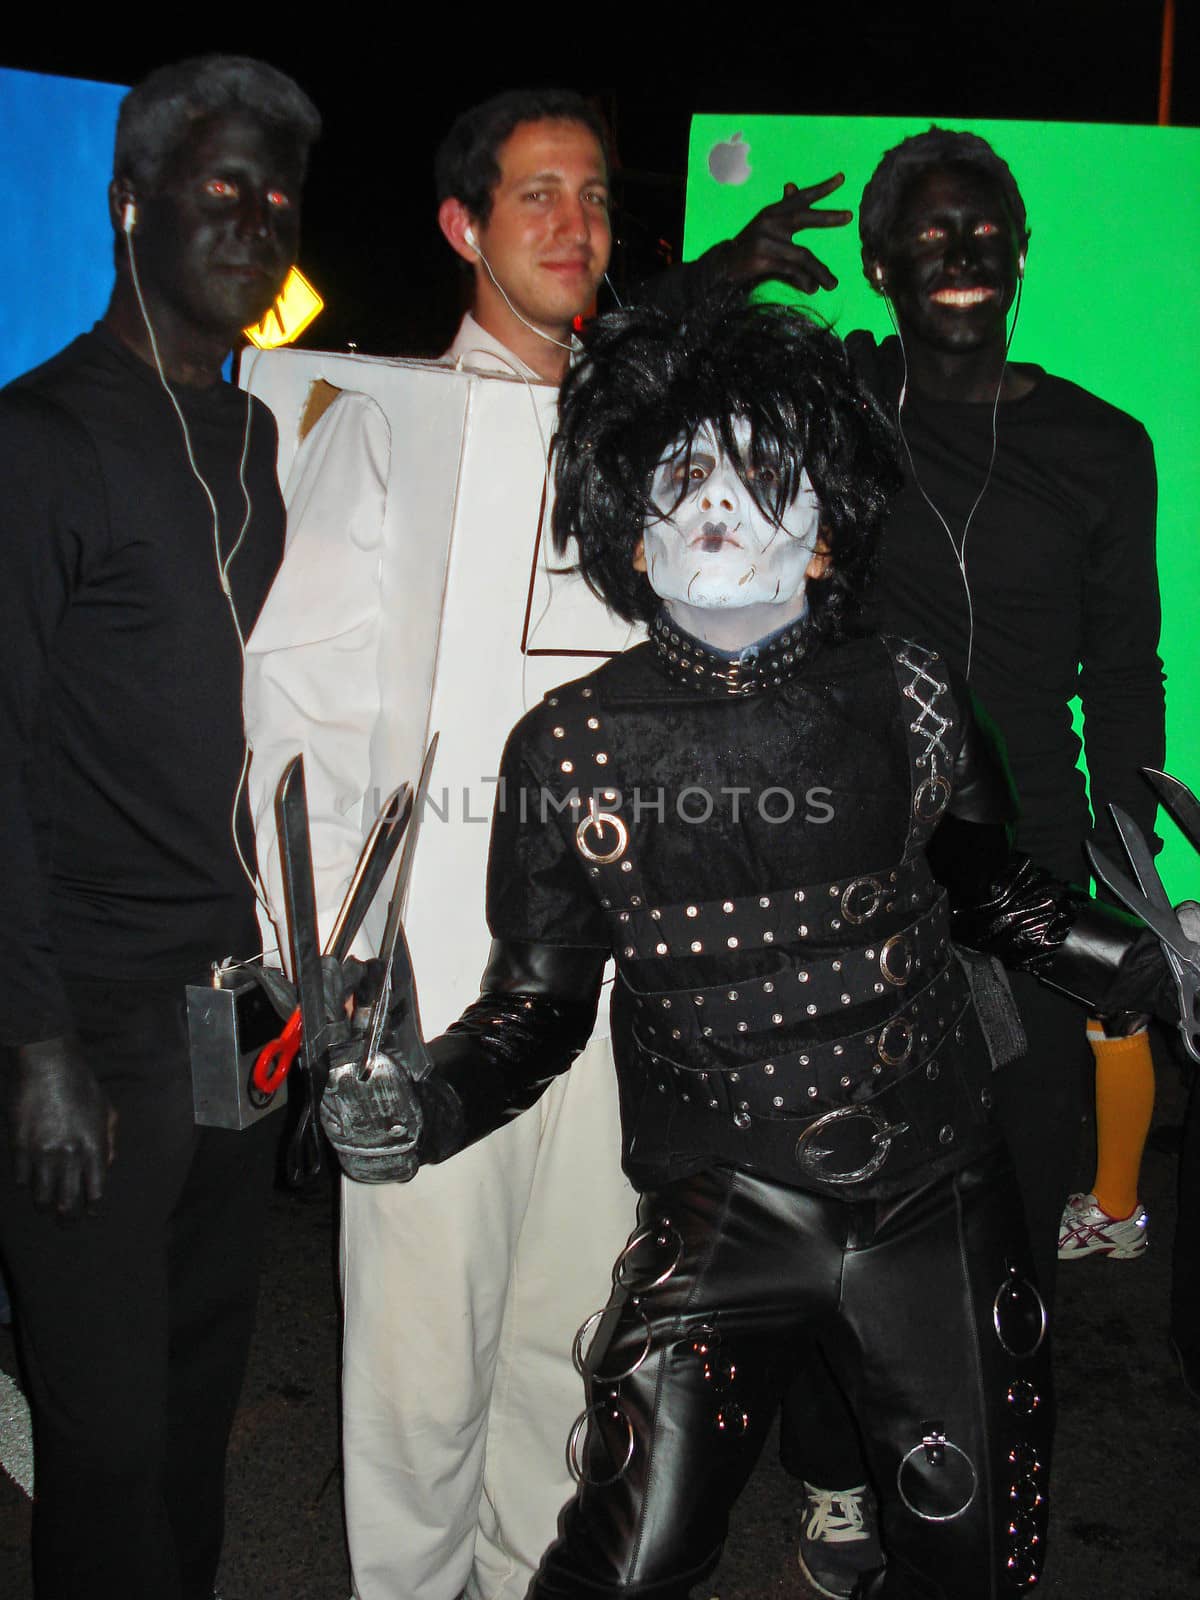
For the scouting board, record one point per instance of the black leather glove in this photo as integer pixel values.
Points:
(61, 1126)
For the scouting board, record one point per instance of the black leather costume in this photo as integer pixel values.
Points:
(805, 1086)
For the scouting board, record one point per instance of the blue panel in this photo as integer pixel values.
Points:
(56, 142)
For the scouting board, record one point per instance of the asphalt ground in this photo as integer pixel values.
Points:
(1127, 1468)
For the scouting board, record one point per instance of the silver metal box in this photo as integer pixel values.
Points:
(229, 1021)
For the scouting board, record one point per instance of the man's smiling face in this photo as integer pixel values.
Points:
(951, 262)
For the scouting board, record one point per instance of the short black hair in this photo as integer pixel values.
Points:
(467, 164)
(648, 379)
(156, 114)
(937, 147)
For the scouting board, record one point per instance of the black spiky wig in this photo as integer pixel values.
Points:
(648, 380)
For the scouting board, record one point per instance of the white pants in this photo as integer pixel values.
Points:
(463, 1292)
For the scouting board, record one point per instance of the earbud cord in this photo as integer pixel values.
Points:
(959, 550)
(222, 565)
(533, 328)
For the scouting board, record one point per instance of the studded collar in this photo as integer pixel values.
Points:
(689, 661)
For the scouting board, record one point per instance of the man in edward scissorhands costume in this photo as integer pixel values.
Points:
(792, 837)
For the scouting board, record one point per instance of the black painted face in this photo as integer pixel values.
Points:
(217, 235)
(951, 263)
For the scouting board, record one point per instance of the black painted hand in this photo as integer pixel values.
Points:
(765, 249)
(62, 1128)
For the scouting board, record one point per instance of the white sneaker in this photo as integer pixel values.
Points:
(1087, 1230)
(839, 1539)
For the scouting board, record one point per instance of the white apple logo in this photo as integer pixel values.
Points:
(729, 160)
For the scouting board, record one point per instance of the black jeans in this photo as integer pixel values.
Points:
(134, 1323)
(717, 1301)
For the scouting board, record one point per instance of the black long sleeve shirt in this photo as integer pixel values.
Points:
(121, 675)
(1060, 560)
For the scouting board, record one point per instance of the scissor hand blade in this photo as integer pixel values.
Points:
(371, 869)
(291, 816)
(393, 933)
(1179, 801)
(1141, 858)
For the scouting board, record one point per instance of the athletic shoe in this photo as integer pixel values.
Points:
(1087, 1230)
(839, 1539)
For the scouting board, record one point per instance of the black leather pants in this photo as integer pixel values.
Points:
(923, 1305)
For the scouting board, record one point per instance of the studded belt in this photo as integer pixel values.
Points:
(798, 989)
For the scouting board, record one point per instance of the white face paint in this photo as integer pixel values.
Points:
(727, 573)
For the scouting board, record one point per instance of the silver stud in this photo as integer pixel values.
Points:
(839, 1049)
(713, 1104)
(802, 977)
(560, 733)
(624, 916)
(656, 916)
(732, 941)
(812, 1091)
(834, 890)
(586, 694)
(727, 907)
(732, 995)
(635, 899)
(803, 1061)
(601, 758)
(697, 946)
(697, 999)
(946, 1134)
(870, 954)
(706, 1033)
(837, 966)
(802, 930)
(735, 1077)
(768, 937)
(799, 897)
(593, 722)
(666, 1005)
(845, 999)
(627, 866)
(742, 1027)
(660, 949)
(768, 987)
(630, 951)
(676, 1034)
(878, 988)
(553, 700)
(566, 766)
(812, 1010)
(693, 911)
(777, 1018)
(777, 1100)
(765, 901)
(741, 1119)
(845, 1082)
(769, 1068)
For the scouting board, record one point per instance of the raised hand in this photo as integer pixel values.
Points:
(62, 1128)
(765, 249)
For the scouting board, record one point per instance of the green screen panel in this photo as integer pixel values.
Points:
(1111, 300)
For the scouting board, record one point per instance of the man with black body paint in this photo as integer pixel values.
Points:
(130, 1237)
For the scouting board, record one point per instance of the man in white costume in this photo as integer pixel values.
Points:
(463, 1293)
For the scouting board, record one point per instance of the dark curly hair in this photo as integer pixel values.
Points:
(156, 115)
(467, 164)
(937, 147)
(648, 380)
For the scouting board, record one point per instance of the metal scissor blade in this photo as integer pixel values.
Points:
(291, 818)
(393, 933)
(404, 1019)
(1179, 801)
(1141, 858)
(371, 869)
(1161, 920)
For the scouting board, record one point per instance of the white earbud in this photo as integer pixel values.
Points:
(128, 217)
(469, 238)
(1021, 265)
(878, 275)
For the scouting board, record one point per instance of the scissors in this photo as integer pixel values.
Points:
(1149, 900)
(277, 1058)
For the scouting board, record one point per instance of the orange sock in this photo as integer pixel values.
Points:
(1124, 1106)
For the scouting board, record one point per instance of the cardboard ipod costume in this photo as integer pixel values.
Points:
(446, 592)
(419, 593)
